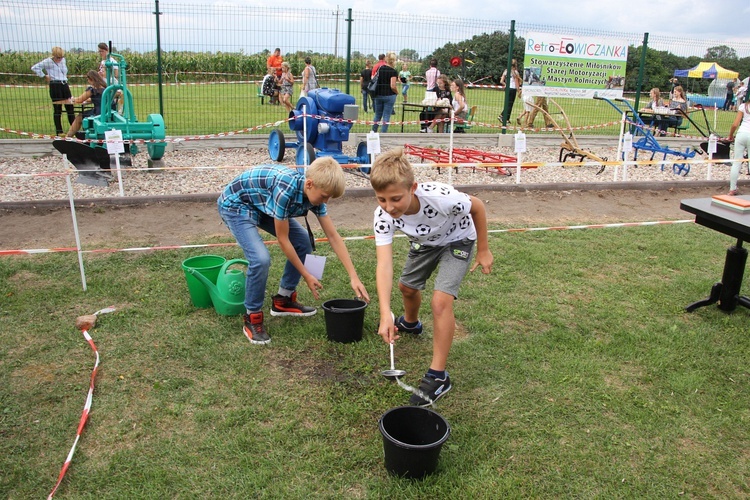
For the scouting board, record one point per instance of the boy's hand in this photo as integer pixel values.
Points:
(314, 285)
(387, 328)
(359, 290)
(485, 260)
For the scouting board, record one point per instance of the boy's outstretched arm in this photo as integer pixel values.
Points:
(479, 216)
(384, 280)
(282, 236)
(339, 248)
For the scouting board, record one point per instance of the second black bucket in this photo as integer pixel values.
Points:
(344, 319)
(412, 439)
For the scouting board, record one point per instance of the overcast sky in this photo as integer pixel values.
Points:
(716, 20)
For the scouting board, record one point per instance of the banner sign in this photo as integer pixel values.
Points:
(573, 66)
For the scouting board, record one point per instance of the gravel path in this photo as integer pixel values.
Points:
(208, 171)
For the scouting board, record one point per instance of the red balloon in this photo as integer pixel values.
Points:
(455, 62)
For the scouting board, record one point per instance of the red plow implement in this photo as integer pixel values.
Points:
(463, 156)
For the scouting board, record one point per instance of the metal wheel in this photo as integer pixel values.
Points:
(363, 157)
(156, 149)
(301, 156)
(276, 145)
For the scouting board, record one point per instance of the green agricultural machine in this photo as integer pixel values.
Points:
(117, 113)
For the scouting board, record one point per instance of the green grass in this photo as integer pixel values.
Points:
(216, 108)
(576, 373)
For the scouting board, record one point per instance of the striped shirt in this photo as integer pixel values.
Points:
(55, 71)
(273, 190)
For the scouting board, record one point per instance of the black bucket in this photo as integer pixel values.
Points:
(412, 438)
(344, 319)
(722, 150)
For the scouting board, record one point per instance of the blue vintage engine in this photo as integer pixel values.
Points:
(320, 122)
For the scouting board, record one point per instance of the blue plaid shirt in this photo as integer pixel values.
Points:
(273, 190)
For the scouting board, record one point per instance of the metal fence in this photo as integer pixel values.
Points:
(200, 66)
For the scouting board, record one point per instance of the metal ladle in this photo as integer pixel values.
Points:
(392, 374)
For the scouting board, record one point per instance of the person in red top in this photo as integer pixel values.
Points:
(381, 61)
(273, 63)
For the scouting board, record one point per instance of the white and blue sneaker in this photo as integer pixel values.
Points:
(401, 326)
(433, 388)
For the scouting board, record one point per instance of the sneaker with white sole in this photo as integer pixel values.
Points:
(253, 329)
(401, 326)
(432, 388)
(288, 306)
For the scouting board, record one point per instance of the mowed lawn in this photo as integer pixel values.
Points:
(577, 373)
(212, 108)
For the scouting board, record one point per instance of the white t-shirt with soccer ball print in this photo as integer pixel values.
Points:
(443, 217)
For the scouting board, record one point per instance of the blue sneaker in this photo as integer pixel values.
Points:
(432, 388)
(401, 326)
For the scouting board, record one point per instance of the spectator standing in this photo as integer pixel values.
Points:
(364, 78)
(385, 95)
(309, 77)
(512, 86)
(405, 76)
(730, 96)
(431, 76)
(286, 83)
(541, 103)
(377, 65)
(740, 93)
(105, 57)
(55, 72)
(741, 127)
(274, 63)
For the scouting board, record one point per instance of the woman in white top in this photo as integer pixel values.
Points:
(55, 72)
(460, 107)
(512, 86)
(741, 126)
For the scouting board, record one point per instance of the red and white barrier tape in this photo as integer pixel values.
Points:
(86, 406)
(33, 251)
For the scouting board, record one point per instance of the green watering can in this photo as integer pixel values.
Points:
(228, 294)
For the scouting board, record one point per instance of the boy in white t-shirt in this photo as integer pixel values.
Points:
(442, 225)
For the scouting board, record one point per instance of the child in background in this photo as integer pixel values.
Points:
(442, 225)
(286, 80)
(267, 197)
(405, 76)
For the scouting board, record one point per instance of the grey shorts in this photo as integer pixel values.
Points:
(452, 262)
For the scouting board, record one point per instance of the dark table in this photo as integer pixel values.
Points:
(732, 223)
(418, 108)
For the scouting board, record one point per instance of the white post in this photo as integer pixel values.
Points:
(627, 148)
(519, 160)
(450, 147)
(304, 135)
(75, 227)
(619, 144)
(119, 173)
(712, 139)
